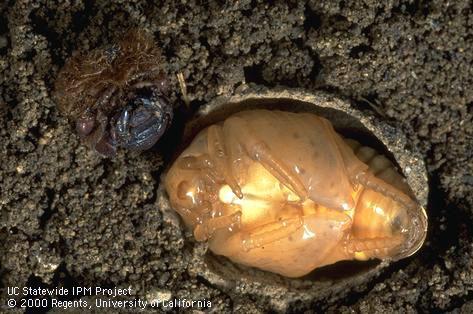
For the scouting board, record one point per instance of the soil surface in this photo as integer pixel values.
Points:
(70, 218)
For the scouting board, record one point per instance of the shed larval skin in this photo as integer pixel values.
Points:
(285, 193)
(117, 94)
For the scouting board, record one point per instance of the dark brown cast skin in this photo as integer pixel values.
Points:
(117, 94)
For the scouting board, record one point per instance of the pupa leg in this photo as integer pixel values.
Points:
(277, 168)
(207, 228)
(202, 162)
(271, 232)
(195, 163)
(259, 151)
(372, 247)
(368, 180)
(219, 155)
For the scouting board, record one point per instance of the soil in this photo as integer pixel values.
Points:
(70, 218)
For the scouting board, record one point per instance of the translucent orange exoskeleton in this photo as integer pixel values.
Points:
(285, 193)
